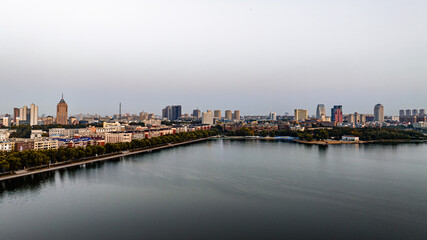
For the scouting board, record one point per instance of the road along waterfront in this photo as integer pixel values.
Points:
(23, 173)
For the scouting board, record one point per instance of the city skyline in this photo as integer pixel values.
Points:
(240, 55)
(311, 111)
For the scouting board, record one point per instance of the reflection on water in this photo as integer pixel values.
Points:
(228, 189)
(39, 180)
(27, 183)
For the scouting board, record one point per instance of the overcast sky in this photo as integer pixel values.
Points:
(256, 55)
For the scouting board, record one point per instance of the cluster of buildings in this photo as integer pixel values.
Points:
(412, 116)
(174, 113)
(127, 127)
(81, 137)
(30, 116)
(378, 118)
(301, 119)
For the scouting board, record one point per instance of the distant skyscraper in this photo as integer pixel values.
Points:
(34, 115)
(408, 112)
(228, 115)
(401, 112)
(379, 113)
(208, 118)
(172, 113)
(23, 113)
(6, 122)
(320, 111)
(414, 112)
(336, 114)
(217, 114)
(422, 112)
(197, 113)
(272, 116)
(120, 111)
(300, 114)
(62, 112)
(176, 112)
(15, 114)
(167, 112)
(236, 115)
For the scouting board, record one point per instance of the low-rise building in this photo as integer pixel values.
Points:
(36, 134)
(4, 135)
(420, 125)
(350, 138)
(45, 144)
(23, 144)
(6, 146)
(118, 137)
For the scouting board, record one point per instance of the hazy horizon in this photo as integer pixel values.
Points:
(255, 56)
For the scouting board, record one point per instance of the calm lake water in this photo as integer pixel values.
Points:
(228, 189)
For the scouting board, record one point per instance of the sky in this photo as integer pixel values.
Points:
(254, 55)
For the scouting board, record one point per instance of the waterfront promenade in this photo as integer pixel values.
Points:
(54, 167)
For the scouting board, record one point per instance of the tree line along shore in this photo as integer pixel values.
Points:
(335, 134)
(31, 159)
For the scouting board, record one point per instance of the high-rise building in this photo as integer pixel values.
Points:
(359, 118)
(23, 113)
(62, 112)
(172, 113)
(272, 116)
(176, 112)
(236, 115)
(350, 118)
(300, 114)
(414, 112)
(167, 112)
(197, 113)
(6, 121)
(24, 116)
(401, 113)
(379, 113)
(15, 114)
(228, 115)
(320, 111)
(34, 115)
(336, 114)
(217, 114)
(408, 112)
(422, 112)
(208, 118)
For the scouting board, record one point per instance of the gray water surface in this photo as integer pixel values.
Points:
(223, 189)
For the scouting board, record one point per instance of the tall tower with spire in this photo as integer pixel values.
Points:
(62, 112)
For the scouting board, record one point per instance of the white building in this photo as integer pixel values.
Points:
(36, 134)
(34, 115)
(6, 146)
(350, 138)
(321, 112)
(379, 113)
(208, 118)
(4, 135)
(272, 116)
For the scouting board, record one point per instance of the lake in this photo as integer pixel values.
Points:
(228, 189)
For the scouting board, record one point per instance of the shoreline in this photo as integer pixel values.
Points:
(22, 173)
(325, 142)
